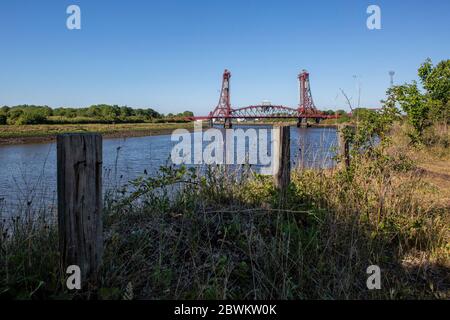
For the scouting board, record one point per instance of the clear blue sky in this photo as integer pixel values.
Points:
(170, 55)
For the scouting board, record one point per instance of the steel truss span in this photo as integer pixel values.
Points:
(305, 110)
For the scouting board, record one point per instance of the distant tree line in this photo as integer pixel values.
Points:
(101, 113)
(343, 115)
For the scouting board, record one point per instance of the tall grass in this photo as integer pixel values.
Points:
(228, 235)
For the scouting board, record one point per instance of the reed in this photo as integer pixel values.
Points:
(227, 234)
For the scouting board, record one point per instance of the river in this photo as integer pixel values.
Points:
(28, 171)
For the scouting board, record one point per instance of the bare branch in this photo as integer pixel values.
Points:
(348, 100)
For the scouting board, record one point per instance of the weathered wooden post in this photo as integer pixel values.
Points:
(79, 166)
(281, 157)
(344, 145)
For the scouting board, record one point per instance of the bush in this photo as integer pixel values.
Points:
(31, 117)
(107, 114)
(14, 115)
(427, 105)
(2, 119)
(223, 237)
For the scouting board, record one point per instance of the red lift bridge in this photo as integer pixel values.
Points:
(305, 110)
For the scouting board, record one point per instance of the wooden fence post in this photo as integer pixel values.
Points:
(80, 202)
(281, 157)
(344, 145)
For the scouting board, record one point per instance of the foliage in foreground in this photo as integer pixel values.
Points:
(428, 106)
(229, 235)
(223, 235)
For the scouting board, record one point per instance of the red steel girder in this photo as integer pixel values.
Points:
(305, 109)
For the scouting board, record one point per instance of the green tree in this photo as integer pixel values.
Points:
(436, 81)
(125, 112)
(424, 108)
(4, 110)
(3, 114)
(188, 114)
(414, 104)
(94, 111)
(31, 116)
(361, 112)
(109, 113)
(14, 114)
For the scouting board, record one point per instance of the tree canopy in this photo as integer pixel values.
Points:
(99, 113)
(429, 104)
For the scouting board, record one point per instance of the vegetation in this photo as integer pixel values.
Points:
(42, 132)
(423, 109)
(31, 114)
(210, 233)
(220, 236)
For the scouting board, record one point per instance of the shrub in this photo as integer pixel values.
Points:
(428, 106)
(31, 117)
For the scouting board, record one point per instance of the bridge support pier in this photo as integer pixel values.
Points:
(227, 123)
(302, 122)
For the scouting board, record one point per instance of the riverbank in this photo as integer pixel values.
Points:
(31, 134)
(231, 236)
(222, 237)
(13, 134)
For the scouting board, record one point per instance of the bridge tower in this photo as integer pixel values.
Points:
(306, 106)
(223, 109)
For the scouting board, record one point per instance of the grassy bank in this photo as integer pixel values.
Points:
(14, 134)
(19, 134)
(218, 236)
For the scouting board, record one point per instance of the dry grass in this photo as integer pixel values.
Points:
(433, 162)
(218, 236)
(17, 134)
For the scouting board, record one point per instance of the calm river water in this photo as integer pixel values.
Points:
(28, 172)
